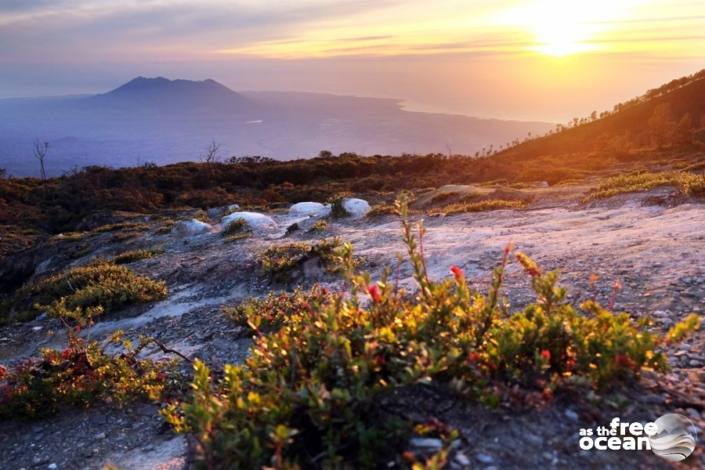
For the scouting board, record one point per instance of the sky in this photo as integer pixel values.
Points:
(535, 59)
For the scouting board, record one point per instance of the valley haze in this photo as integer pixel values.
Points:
(157, 120)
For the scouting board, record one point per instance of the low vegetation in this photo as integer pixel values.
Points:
(379, 210)
(319, 226)
(122, 226)
(270, 312)
(280, 262)
(80, 375)
(236, 230)
(127, 257)
(85, 292)
(477, 206)
(337, 209)
(311, 393)
(687, 183)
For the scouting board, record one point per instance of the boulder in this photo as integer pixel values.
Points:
(190, 228)
(253, 220)
(310, 209)
(356, 207)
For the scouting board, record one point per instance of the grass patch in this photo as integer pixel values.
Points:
(122, 226)
(379, 210)
(86, 292)
(236, 230)
(281, 262)
(131, 256)
(165, 226)
(123, 230)
(311, 392)
(479, 206)
(235, 227)
(687, 183)
(321, 225)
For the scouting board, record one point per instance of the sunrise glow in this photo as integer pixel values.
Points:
(501, 58)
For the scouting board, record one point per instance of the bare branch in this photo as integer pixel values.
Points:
(40, 152)
(211, 155)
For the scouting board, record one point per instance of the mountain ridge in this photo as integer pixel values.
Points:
(167, 121)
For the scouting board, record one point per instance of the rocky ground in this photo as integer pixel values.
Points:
(650, 244)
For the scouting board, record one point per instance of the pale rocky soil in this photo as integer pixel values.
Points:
(652, 243)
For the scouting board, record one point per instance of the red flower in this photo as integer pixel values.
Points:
(474, 357)
(3, 372)
(379, 360)
(570, 363)
(66, 353)
(508, 248)
(547, 394)
(373, 290)
(77, 329)
(457, 273)
(624, 361)
(546, 355)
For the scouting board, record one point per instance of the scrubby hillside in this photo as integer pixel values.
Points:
(665, 116)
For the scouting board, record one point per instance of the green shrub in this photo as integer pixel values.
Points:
(201, 215)
(80, 375)
(689, 184)
(319, 226)
(309, 395)
(337, 210)
(85, 292)
(272, 311)
(131, 256)
(479, 206)
(281, 262)
(236, 230)
(235, 227)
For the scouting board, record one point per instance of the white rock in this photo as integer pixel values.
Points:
(571, 415)
(253, 220)
(312, 209)
(190, 228)
(426, 443)
(356, 207)
(233, 207)
(462, 459)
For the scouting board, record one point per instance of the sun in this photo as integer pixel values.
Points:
(558, 34)
(565, 27)
(559, 29)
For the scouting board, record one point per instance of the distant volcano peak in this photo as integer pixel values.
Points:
(161, 91)
(140, 84)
